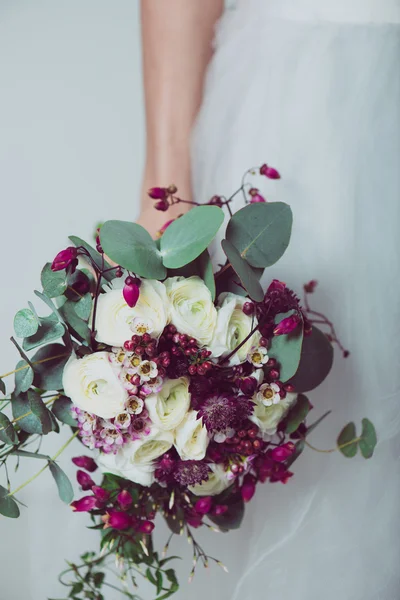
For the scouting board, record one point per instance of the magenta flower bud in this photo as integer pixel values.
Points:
(124, 499)
(248, 386)
(287, 325)
(85, 504)
(101, 494)
(216, 201)
(248, 488)
(158, 193)
(131, 294)
(309, 287)
(145, 527)
(85, 462)
(255, 196)
(64, 258)
(269, 172)
(84, 480)
(162, 205)
(220, 509)
(281, 453)
(203, 505)
(276, 286)
(117, 520)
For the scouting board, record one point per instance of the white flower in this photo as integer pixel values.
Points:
(150, 447)
(269, 394)
(257, 356)
(147, 370)
(141, 326)
(191, 307)
(168, 408)
(218, 481)
(267, 418)
(93, 385)
(115, 317)
(123, 420)
(191, 438)
(127, 376)
(233, 326)
(153, 385)
(134, 406)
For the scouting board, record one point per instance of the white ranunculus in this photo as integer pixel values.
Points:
(151, 446)
(169, 406)
(114, 320)
(267, 418)
(191, 438)
(121, 465)
(191, 307)
(233, 326)
(217, 482)
(93, 385)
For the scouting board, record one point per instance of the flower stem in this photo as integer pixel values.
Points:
(357, 439)
(30, 412)
(224, 268)
(37, 362)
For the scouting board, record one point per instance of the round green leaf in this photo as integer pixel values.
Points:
(345, 439)
(233, 517)
(64, 486)
(23, 378)
(79, 327)
(62, 410)
(8, 506)
(187, 237)
(20, 406)
(96, 256)
(297, 414)
(315, 362)
(244, 271)
(368, 439)
(287, 349)
(48, 374)
(79, 284)
(261, 232)
(25, 323)
(132, 247)
(54, 282)
(8, 434)
(50, 329)
(41, 411)
(2, 387)
(83, 307)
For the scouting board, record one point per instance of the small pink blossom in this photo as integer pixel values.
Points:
(85, 504)
(64, 259)
(85, 462)
(117, 520)
(124, 499)
(84, 480)
(101, 495)
(287, 325)
(269, 172)
(255, 196)
(282, 453)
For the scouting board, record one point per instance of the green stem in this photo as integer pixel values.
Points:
(357, 439)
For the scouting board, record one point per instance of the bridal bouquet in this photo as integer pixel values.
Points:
(186, 381)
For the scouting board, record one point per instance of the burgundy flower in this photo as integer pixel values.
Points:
(85, 504)
(216, 201)
(269, 172)
(309, 287)
(276, 286)
(282, 453)
(101, 494)
(203, 505)
(124, 499)
(158, 193)
(218, 412)
(85, 462)
(162, 205)
(248, 488)
(190, 472)
(255, 196)
(145, 527)
(64, 259)
(117, 520)
(287, 325)
(84, 480)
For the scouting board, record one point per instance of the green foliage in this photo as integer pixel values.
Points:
(21, 410)
(2, 387)
(96, 256)
(8, 434)
(244, 271)
(233, 517)
(23, 378)
(348, 442)
(261, 232)
(54, 282)
(50, 329)
(297, 414)
(131, 246)
(299, 448)
(345, 442)
(40, 410)
(48, 373)
(8, 506)
(287, 349)
(368, 439)
(77, 326)
(62, 410)
(83, 307)
(25, 323)
(64, 486)
(187, 237)
(315, 362)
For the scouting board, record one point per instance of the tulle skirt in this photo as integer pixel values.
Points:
(319, 99)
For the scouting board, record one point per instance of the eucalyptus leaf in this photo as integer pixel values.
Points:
(368, 439)
(244, 271)
(297, 414)
(50, 329)
(34, 313)
(345, 439)
(187, 237)
(31, 454)
(21, 410)
(131, 246)
(62, 410)
(83, 307)
(54, 282)
(315, 362)
(48, 374)
(40, 410)
(261, 232)
(79, 284)
(50, 304)
(96, 256)
(233, 517)
(8, 506)
(65, 490)
(2, 387)
(287, 349)
(8, 434)
(25, 323)
(299, 447)
(23, 377)
(80, 328)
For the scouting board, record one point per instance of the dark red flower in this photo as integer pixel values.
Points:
(84, 480)
(269, 172)
(117, 520)
(158, 193)
(64, 259)
(85, 504)
(203, 505)
(190, 472)
(145, 527)
(255, 196)
(85, 462)
(124, 499)
(248, 488)
(101, 495)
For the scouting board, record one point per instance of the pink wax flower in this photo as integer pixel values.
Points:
(64, 258)
(248, 488)
(287, 325)
(85, 462)
(282, 453)
(85, 504)
(255, 196)
(203, 505)
(124, 499)
(84, 480)
(269, 172)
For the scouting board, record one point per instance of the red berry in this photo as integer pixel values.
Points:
(119, 272)
(192, 342)
(129, 280)
(172, 328)
(201, 370)
(188, 351)
(257, 444)
(263, 342)
(274, 374)
(271, 362)
(289, 388)
(252, 433)
(146, 338)
(139, 350)
(207, 365)
(192, 369)
(248, 308)
(135, 339)
(129, 345)
(165, 362)
(242, 433)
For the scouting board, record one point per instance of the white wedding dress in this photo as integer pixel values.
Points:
(312, 87)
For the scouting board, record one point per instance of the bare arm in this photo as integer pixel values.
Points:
(176, 38)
